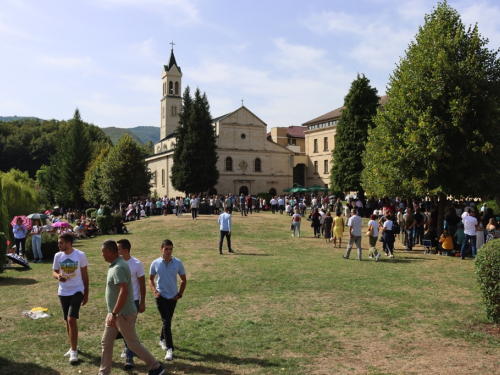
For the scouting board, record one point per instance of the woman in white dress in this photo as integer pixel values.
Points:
(479, 235)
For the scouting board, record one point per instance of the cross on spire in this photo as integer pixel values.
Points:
(242, 102)
(173, 44)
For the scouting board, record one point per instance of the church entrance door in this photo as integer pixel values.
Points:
(244, 190)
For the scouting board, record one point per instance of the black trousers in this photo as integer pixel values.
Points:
(166, 307)
(224, 233)
(194, 213)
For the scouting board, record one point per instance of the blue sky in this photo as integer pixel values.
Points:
(290, 61)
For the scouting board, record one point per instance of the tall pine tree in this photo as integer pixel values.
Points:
(178, 175)
(195, 157)
(361, 105)
(72, 158)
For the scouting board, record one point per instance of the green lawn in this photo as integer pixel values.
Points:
(280, 305)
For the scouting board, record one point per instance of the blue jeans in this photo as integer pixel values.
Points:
(472, 245)
(36, 245)
(296, 225)
(130, 354)
(409, 239)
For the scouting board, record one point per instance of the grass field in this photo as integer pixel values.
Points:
(280, 305)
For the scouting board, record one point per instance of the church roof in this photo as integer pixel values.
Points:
(172, 62)
(335, 114)
(220, 118)
(229, 114)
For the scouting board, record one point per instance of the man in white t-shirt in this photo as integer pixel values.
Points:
(70, 269)
(139, 286)
(470, 223)
(355, 223)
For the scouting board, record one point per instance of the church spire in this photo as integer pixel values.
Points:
(171, 61)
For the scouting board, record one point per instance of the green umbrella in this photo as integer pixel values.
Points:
(317, 187)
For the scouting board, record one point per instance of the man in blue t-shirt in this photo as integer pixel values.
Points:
(165, 269)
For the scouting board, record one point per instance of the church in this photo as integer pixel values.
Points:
(248, 163)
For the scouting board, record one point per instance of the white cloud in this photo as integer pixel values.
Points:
(176, 12)
(286, 93)
(66, 62)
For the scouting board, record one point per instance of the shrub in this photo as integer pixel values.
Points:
(3, 251)
(117, 218)
(106, 220)
(105, 223)
(487, 269)
(49, 246)
(91, 212)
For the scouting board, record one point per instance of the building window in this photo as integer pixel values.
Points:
(176, 88)
(170, 87)
(257, 165)
(325, 165)
(316, 167)
(154, 178)
(325, 144)
(162, 111)
(229, 164)
(315, 145)
(163, 177)
(292, 141)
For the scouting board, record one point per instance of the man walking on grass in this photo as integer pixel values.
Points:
(355, 222)
(165, 269)
(122, 312)
(139, 290)
(225, 230)
(70, 269)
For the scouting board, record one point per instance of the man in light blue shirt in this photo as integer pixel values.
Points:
(225, 229)
(165, 269)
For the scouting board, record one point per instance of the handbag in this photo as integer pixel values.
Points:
(291, 226)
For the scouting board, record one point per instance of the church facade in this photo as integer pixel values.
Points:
(248, 163)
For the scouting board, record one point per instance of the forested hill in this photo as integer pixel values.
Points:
(147, 133)
(142, 134)
(116, 133)
(16, 118)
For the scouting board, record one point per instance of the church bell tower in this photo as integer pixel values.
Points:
(171, 100)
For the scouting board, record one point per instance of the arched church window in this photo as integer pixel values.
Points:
(170, 87)
(229, 164)
(176, 88)
(257, 165)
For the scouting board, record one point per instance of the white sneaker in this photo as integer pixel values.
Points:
(293, 235)
(170, 355)
(73, 356)
(124, 354)
(69, 352)
(163, 344)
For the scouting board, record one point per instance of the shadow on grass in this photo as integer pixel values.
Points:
(197, 357)
(8, 367)
(10, 281)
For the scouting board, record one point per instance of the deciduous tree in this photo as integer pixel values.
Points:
(439, 131)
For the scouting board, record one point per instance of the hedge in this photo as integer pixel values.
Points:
(3, 251)
(487, 270)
